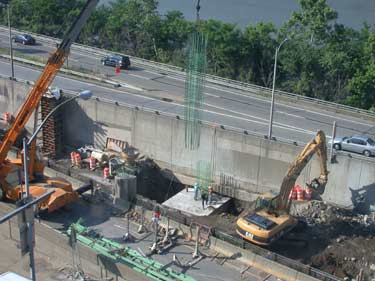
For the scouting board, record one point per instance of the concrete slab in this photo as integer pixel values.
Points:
(185, 203)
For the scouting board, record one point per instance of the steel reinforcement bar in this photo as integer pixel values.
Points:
(126, 255)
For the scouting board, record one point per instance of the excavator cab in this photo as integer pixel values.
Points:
(271, 219)
(266, 200)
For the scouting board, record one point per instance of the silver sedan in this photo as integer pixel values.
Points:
(356, 143)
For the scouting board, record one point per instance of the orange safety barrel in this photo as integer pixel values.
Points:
(72, 157)
(77, 159)
(293, 194)
(308, 193)
(92, 163)
(7, 117)
(106, 172)
(299, 191)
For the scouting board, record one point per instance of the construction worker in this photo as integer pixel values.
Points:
(204, 198)
(196, 189)
(210, 190)
(156, 217)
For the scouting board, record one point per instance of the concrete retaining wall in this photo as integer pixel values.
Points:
(253, 164)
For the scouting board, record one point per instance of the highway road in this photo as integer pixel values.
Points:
(222, 105)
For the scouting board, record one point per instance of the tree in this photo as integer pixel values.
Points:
(94, 32)
(314, 21)
(223, 50)
(257, 53)
(172, 37)
(49, 17)
(362, 85)
(132, 27)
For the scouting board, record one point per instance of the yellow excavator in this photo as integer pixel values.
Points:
(10, 186)
(271, 219)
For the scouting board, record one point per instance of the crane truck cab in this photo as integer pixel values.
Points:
(271, 219)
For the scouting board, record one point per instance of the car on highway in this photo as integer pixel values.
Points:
(24, 39)
(357, 143)
(116, 60)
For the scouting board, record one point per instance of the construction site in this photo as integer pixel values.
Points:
(110, 191)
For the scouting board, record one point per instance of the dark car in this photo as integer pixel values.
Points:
(116, 60)
(24, 39)
(357, 143)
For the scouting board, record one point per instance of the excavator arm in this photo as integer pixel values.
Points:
(317, 145)
(54, 63)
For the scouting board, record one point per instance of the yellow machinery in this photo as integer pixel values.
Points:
(9, 168)
(271, 219)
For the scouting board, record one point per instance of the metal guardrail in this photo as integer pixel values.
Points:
(178, 71)
(166, 114)
(170, 115)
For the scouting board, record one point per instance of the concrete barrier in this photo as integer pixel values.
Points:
(253, 164)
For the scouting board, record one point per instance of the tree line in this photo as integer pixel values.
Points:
(322, 58)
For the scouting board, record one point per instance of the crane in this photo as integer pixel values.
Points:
(7, 166)
(268, 223)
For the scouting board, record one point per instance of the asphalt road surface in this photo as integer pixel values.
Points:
(223, 106)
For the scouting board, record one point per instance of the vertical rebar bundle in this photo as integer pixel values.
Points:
(204, 175)
(196, 69)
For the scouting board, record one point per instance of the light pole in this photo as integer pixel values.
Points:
(273, 89)
(85, 95)
(10, 42)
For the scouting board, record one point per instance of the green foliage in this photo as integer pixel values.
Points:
(257, 54)
(44, 16)
(362, 85)
(223, 50)
(323, 59)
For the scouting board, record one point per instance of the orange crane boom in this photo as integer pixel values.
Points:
(45, 79)
(63, 190)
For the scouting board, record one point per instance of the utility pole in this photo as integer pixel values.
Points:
(30, 224)
(10, 43)
(11, 61)
(273, 90)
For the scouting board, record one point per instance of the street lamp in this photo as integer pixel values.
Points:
(85, 95)
(273, 88)
(10, 42)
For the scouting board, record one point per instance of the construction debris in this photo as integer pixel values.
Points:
(341, 242)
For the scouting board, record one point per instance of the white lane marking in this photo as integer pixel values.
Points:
(262, 121)
(281, 104)
(289, 114)
(138, 76)
(212, 95)
(71, 59)
(119, 226)
(153, 72)
(247, 96)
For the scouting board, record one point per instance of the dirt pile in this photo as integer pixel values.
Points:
(318, 212)
(340, 242)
